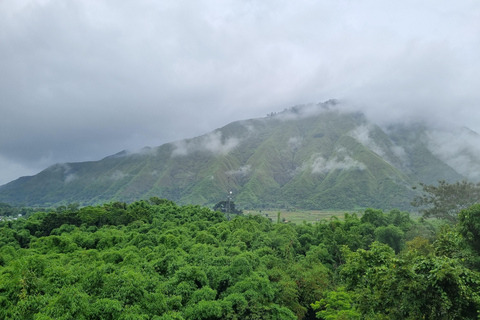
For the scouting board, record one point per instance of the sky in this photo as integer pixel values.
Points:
(84, 79)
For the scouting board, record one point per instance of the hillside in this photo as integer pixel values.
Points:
(312, 156)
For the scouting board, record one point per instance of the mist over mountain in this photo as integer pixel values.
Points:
(310, 156)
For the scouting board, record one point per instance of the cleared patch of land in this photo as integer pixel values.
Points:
(299, 216)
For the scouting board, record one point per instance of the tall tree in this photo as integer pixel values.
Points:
(469, 226)
(446, 200)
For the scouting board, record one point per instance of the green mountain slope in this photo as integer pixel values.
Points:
(310, 157)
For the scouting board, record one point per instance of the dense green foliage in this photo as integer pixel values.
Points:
(156, 260)
(321, 161)
(469, 226)
(9, 211)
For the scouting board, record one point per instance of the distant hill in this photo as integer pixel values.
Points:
(312, 157)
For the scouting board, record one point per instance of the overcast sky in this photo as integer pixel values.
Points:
(84, 79)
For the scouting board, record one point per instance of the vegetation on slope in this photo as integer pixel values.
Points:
(320, 160)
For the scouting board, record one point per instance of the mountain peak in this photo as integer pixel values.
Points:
(311, 156)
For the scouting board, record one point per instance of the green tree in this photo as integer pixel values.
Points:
(375, 217)
(337, 305)
(446, 200)
(469, 226)
(391, 235)
(93, 216)
(410, 286)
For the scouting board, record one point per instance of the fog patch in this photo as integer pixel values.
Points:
(66, 169)
(249, 126)
(118, 175)
(211, 142)
(240, 172)
(345, 162)
(70, 177)
(298, 170)
(460, 149)
(400, 153)
(294, 143)
(304, 110)
(362, 135)
(147, 151)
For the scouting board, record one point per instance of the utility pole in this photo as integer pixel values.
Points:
(228, 202)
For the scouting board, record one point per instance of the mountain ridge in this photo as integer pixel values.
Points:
(313, 157)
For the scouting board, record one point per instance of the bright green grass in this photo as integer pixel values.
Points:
(298, 217)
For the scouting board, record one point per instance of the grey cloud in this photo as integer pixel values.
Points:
(460, 149)
(425, 81)
(82, 80)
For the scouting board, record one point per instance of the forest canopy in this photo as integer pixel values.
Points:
(156, 260)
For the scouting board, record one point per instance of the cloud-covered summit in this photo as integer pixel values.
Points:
(334, 159)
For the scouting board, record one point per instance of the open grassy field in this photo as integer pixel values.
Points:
(299, 216)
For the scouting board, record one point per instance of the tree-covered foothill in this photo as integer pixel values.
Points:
(156, 260)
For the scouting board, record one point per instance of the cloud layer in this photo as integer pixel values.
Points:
(460, 149)
(84, 79)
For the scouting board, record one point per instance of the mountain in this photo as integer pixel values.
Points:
(311, 156)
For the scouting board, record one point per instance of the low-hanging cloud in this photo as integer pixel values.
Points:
(118, 175)
(389, 152)
(400, 153)
(362, 135)
(345, 162)
(425, 81)
(66, 171)
(294, 143)
(460, 149)
(241, 172)
(211, 142)
(304, 111)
